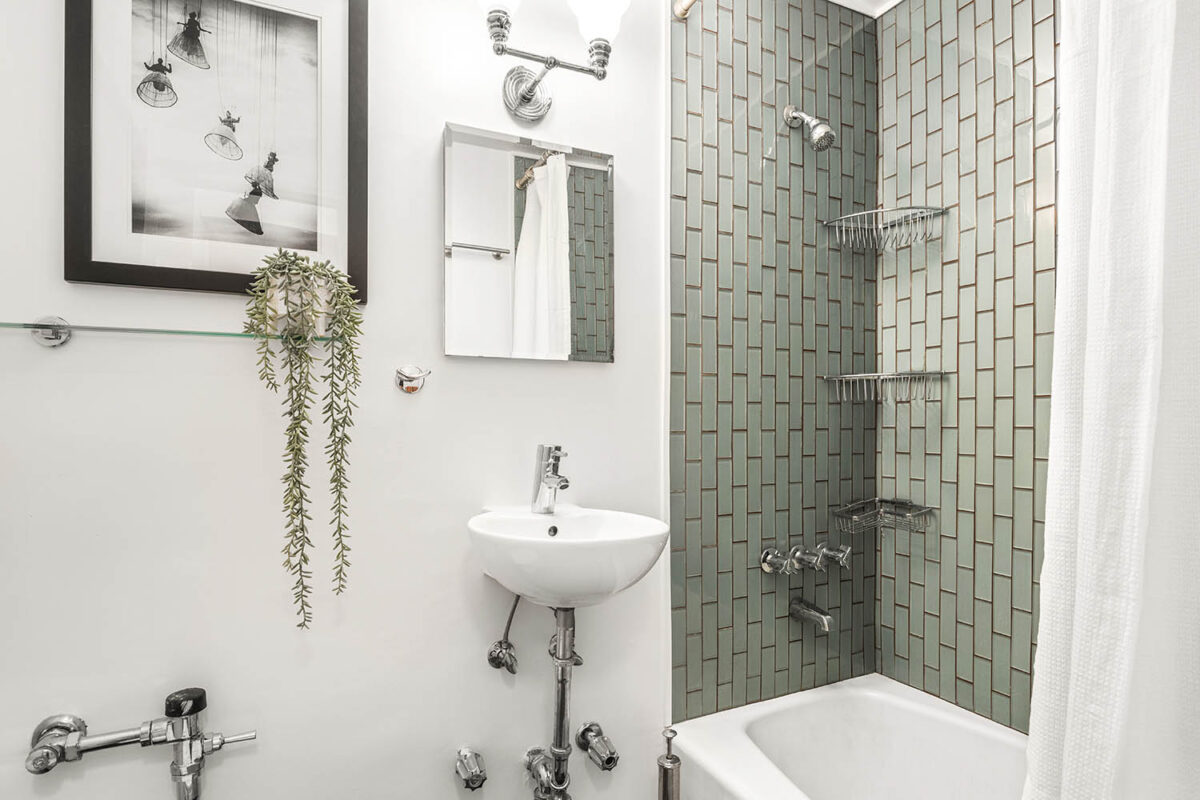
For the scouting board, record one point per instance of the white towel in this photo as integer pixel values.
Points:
(542, 281)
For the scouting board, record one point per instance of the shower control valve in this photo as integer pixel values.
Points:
(820, 558)
(801, 557)
(774, 562)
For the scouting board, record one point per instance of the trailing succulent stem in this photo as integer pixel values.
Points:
(289, 299)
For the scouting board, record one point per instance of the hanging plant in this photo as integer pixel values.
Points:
(298, 309)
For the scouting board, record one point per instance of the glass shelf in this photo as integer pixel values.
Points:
(55, 332)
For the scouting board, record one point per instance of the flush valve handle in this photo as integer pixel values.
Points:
(185, 703)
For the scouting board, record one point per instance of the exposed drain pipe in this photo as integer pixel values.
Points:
(564, 660)
(549, 767)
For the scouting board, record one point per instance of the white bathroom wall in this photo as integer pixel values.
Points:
(139, 494)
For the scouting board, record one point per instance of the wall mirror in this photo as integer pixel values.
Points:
(529, 248)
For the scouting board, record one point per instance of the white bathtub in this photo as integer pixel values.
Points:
(869, 738)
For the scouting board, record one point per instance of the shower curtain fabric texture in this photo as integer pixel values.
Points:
(542, 278)
(1116, 691)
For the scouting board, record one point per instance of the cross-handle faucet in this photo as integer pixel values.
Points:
(65, 738)
(775, 562)
(546, 480)
(820, 558)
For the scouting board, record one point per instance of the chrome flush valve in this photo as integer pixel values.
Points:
(599, 747)
(470, 768)
(65, 738)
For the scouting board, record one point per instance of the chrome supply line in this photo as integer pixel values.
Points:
(503, 653)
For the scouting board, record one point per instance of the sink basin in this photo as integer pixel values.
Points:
(572, 558)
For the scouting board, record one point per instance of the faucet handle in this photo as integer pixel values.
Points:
(838, 555)
(470, 767)
(185, 703)
(800, 557)
(774, 562)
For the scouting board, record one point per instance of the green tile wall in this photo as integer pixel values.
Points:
(967, 115)
(591, 252)
(760, 309)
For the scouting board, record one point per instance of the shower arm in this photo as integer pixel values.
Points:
(681, 8)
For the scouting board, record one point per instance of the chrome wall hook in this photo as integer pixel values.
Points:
(410, 379)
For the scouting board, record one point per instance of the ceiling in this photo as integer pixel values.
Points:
(871, 7)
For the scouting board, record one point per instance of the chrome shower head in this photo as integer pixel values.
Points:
(820, 135)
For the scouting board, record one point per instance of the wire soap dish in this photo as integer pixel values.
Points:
(878, 513)
(889, 386)
(888, 228)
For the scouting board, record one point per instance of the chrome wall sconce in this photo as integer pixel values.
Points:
(525, 93)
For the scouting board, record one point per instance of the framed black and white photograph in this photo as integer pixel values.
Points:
(203, 135)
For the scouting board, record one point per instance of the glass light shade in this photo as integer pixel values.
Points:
(599, 19)
(487, 6)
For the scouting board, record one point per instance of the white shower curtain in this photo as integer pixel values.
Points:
(1116, 691)
(542, 281)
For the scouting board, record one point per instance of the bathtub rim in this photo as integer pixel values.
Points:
(709, 738)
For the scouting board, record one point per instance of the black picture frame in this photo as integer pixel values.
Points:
(80, 267)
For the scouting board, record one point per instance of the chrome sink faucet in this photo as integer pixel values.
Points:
(65, 738)
(546, 480)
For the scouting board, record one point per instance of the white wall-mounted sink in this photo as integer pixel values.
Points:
(572, 558)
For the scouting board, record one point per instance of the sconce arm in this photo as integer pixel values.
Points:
(551, 62)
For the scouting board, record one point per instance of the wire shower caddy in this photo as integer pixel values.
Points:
(878, 513)
(888, 228)
(887, 386)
